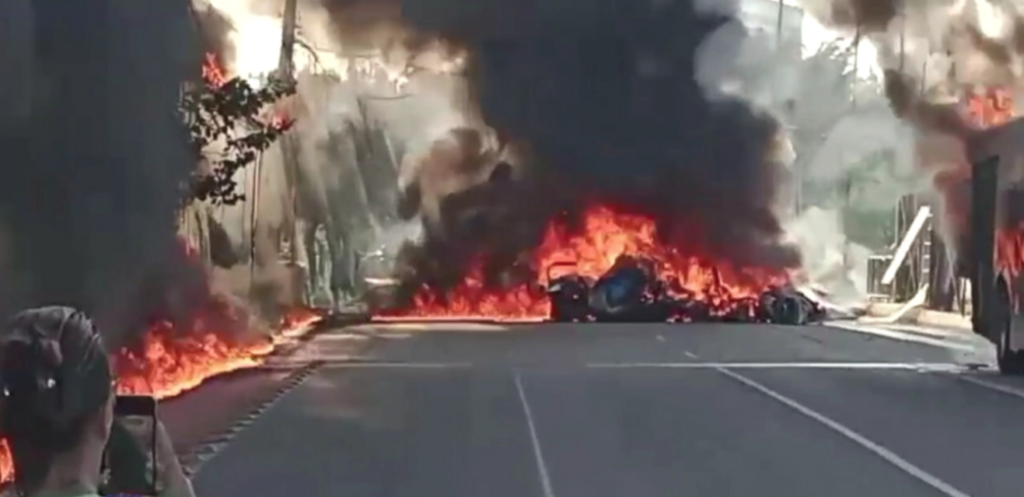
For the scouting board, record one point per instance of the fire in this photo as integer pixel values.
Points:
(995, 107)
(1010, 248)
(605, 235)
(215, 77)
(217, 338)
(175, 357)
(281, 120)
(173, 361)
(213, 74)
(6, 462)
(991, 107)
(296, 322)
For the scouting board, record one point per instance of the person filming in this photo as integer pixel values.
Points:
(57, 407)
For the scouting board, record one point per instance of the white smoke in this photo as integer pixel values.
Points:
(346, 86)
(933, 52)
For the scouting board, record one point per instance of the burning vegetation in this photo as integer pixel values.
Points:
(230, 124)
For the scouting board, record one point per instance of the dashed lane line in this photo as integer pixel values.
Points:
(542, 468)
(194, 461)
(899, 366)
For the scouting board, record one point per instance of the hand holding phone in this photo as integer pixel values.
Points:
(172, 480)
(130, 459)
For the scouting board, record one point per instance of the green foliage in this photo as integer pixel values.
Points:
(872, 186)
(871, 229)
(228, 117)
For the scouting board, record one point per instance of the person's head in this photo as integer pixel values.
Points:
(57, 404)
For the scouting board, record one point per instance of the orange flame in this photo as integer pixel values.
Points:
(296, 322)
(173, 359)
(990, 108)
(176, 357)
(606, 234)
(213, 74)
(280, 120)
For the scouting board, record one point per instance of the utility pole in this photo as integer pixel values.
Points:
(848, 187)
(776, 97)
(286, 74)
(289, 23)
(903, 36)
(778, 103)
(289, 152)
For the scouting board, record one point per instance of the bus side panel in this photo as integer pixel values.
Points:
(1016, 303)
(984, 182)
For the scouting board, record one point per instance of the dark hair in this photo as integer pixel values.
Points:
(54, 375)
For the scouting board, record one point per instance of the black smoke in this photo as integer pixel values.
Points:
(606, 94)
(89, 184)
(214, 28)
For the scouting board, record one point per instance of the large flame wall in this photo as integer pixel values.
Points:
(590, 249)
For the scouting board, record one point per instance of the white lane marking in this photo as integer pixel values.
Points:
(542, 468)
(689, 354)
(886, 454)
(660, 338)
(924, 366)
(1008, 390)
(396, 365)
(951, 343)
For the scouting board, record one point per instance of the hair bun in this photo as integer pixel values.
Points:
(50, 353)
(52, 366)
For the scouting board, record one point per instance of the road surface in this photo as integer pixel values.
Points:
(460, 410)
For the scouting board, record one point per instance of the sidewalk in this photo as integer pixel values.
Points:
(896, 315)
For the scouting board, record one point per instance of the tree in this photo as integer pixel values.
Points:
(230, 123)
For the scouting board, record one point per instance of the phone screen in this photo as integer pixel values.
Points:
(130, 458)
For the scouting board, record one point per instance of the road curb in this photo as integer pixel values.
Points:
(329, 322)
(193, 461)
(956, 341)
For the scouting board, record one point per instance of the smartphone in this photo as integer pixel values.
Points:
(129, 461)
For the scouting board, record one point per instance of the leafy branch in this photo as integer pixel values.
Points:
(230, 124)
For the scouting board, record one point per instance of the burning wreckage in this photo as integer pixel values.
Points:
(613, 269)
(633, 291)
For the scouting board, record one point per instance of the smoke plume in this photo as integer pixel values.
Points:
(932, 51)
(620, 104)
(94, 151)
(214, 31)
(932, 54)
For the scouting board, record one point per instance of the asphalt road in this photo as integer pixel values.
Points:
(450, 410)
